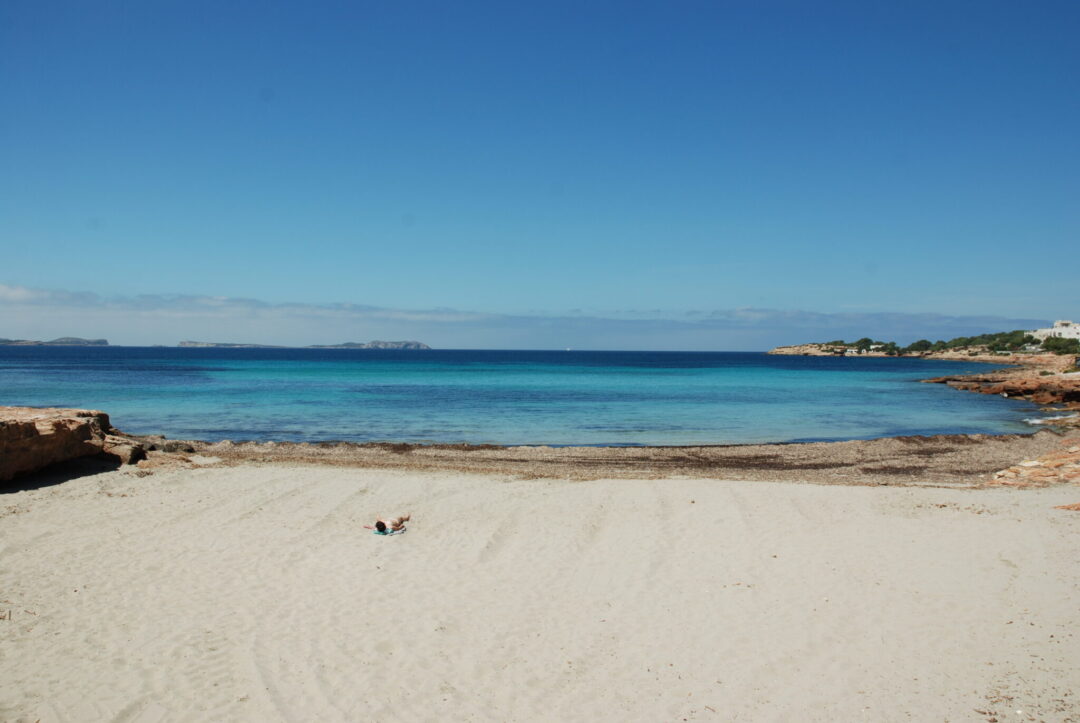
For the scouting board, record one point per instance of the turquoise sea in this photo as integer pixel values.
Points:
(502, 397)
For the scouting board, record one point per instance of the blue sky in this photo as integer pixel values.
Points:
(641, 165)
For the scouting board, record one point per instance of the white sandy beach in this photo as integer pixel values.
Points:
(254, 593)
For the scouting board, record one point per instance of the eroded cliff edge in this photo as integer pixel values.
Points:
(32, 439)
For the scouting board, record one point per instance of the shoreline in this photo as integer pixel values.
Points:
(896, 461)
(948, 459)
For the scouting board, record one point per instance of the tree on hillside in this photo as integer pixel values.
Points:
(864, 344)
(918, 346)
(1061, 346)
(1000, 341)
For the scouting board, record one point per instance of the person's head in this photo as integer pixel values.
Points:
(380, 526)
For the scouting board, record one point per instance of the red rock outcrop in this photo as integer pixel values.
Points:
(1040, 378)
(123, 449)
(1041, 391)
(31, 439)
(1059, 467)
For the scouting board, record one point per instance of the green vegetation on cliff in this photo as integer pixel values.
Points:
(1000, 342)
(1062, 346)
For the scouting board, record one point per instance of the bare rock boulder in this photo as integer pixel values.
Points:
(123, 449)
(31, 439)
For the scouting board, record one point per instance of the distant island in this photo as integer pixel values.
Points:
(374, 345)
(226, 345)
(345, 345)
(62, 341)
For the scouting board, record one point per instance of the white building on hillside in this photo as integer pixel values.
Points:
(1062, 329)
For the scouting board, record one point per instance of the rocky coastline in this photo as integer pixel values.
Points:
(1039, 378)
(811, 350)
(31, 440)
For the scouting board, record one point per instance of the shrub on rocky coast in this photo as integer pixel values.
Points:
(1059, 345)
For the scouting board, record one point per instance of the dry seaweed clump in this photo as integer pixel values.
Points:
(943, 459)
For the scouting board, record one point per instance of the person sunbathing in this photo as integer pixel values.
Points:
(396, 524)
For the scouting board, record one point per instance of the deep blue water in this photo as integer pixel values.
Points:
(502, 397)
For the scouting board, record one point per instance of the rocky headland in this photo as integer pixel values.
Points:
(812, 350)
(1040, 378)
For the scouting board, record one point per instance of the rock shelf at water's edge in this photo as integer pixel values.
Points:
(32, 439)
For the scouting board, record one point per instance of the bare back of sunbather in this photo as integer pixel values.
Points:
(396, 523)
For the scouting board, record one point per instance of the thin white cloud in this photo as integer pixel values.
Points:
(169, 318)
(179, 304)
(18, 294)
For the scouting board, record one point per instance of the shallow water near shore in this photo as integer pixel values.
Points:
(503, 397)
